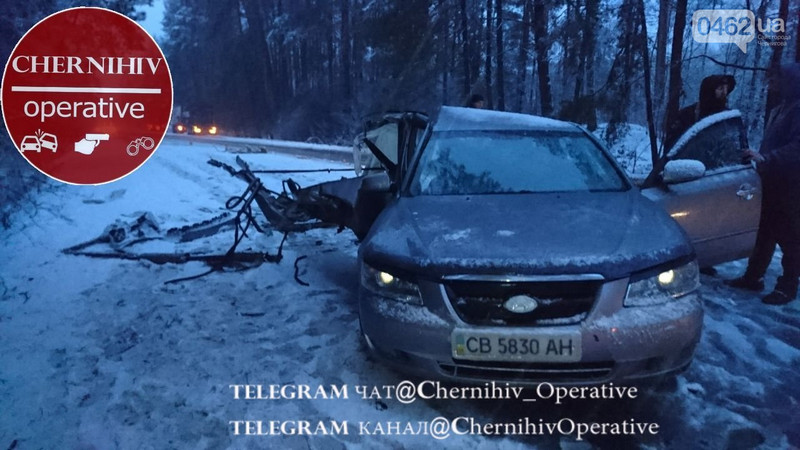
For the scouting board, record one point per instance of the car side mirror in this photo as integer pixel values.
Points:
(683, 170)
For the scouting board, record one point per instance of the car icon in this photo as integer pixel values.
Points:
(49, 142)
(30, 143)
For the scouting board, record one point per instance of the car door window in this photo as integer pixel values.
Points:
(717, 145)
(386, 139)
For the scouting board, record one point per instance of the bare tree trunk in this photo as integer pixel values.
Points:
(648, 92)
(762, 9)
(346, 75)
(661, 50)
(675, 84)
(265, 90)
(357, 48)
(501, 95)
(587, 24)
(542, 62)
(621, 75)
(304, 63)
(452, 63)
(591, 122)
(675, 79)
(444, 60)
(282, 63)
(331, 52)
(466, 50)
(797, 42)
(567, 65)
(488, 60)
(775, 60)
(590, 36)
(522, 58)
(757, 91)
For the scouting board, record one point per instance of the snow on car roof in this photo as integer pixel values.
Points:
(452, 118)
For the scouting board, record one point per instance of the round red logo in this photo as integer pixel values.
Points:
(87, 96)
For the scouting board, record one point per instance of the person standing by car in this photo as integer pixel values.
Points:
(778, 165)
(714, 91)
(476, 101)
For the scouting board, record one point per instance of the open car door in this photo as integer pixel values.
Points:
(719, 206)
(392, 142)
(381, 156)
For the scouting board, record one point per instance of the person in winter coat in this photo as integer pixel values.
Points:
(476, 101)
(714, 91)
(778, 165)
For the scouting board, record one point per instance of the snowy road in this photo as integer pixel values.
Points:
(103, 354)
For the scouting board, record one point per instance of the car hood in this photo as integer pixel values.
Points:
(612, 234)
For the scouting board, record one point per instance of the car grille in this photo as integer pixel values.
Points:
(529, 372)
(558, 302)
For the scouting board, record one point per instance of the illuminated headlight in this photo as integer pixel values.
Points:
(389, 286)
(196, 129)
(664, 287)
(212, 130)
(181, 128)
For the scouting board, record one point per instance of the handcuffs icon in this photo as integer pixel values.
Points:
(144, 142)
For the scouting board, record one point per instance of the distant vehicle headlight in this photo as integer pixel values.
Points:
(665, 286)
(388, 285)
(212, 130)
(196, 129)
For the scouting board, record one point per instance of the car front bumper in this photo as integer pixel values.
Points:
(617, 343)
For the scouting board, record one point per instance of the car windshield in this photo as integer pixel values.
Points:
(495, 162)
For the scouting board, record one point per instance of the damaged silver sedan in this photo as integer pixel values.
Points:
(513, 248)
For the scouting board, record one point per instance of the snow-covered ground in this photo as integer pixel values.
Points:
(102, 354)
(631, 149)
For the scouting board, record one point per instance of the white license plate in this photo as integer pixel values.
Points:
(519, 346)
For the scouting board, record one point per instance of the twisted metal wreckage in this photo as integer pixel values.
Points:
(352, 203)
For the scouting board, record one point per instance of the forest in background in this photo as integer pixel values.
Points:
(314, 69)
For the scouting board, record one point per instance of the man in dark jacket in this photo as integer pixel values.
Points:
(778, 164)
(476, 101)
(714, 91)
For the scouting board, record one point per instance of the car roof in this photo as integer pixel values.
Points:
(453, 118)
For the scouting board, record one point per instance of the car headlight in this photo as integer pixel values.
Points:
(389, 286)
(665, 286)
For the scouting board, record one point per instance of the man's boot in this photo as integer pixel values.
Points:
(785, 291)
(747, 283)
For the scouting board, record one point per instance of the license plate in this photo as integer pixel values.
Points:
(519, 346)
